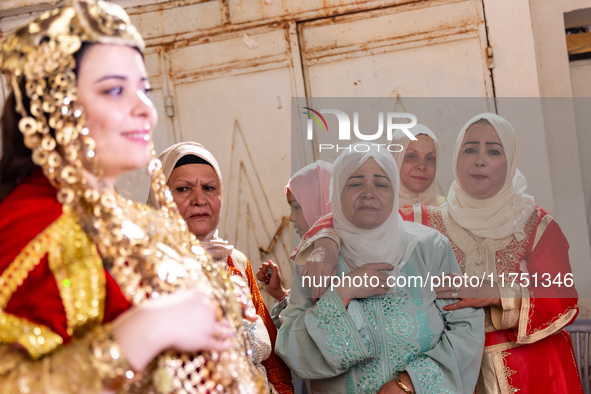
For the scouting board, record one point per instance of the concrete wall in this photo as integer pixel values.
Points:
(554, 79)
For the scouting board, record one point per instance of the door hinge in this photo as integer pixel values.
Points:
(169, 107)
(490, 58)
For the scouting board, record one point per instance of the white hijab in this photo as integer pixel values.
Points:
(408, 197)
(506, 212)
(216, 246)
(382, 244)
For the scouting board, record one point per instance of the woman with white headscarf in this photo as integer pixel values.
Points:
(380, 337)
(195, 180)
(417, 162)
(497, 232)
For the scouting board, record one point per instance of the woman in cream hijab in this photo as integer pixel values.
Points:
(497, 231)
(195, 180)
(353, 341)
(417, 162)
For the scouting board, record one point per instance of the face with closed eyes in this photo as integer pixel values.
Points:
(481, 162)
(367, 199)
(197, 192)
(418, 168)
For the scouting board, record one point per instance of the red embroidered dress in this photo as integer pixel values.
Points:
(54, 294)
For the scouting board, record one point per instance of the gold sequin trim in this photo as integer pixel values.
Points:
(79, 273)
(108, 358)
(504, 373)
(25, 262)
(37, 339)
(441, 200)
(546, 220)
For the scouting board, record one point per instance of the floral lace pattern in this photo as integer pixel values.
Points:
(399, 328)
(429, 375)
(340, 338)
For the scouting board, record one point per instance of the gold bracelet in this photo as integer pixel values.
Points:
(403, 386)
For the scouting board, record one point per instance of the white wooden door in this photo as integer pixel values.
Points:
(434, 49)
(232, 94)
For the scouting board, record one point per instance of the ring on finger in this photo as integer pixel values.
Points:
(217, 335)
(454, 294)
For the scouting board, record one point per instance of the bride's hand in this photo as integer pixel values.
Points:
(186, 321)
(348, 290)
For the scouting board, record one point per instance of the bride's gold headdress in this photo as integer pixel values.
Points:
(148, 252)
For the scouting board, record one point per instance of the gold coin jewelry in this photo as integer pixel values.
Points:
(148, 252)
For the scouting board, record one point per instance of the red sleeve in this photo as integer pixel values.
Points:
(324, 222)
(408, 213)
(278, 373)
(115, 301)
(550, 308)
(24, 214)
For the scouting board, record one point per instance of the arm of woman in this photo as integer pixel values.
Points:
(546, 308)
(107, 354)
(321, 340)
(453, 363)
(277, 372)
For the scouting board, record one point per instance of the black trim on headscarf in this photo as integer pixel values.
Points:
(191, 159)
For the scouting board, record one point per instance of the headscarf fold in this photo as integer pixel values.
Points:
(506, 212)
(310, 187)
(408, 197)
(217, 247)
(385, 243)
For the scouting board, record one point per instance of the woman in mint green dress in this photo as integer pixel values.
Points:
(385, 331)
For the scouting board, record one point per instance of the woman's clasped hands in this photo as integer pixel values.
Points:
(485, 293)
(362, 283)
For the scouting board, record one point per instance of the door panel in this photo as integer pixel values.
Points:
(234, 97)
(429, 50)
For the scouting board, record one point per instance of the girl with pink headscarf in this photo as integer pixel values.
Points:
(308, 195)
